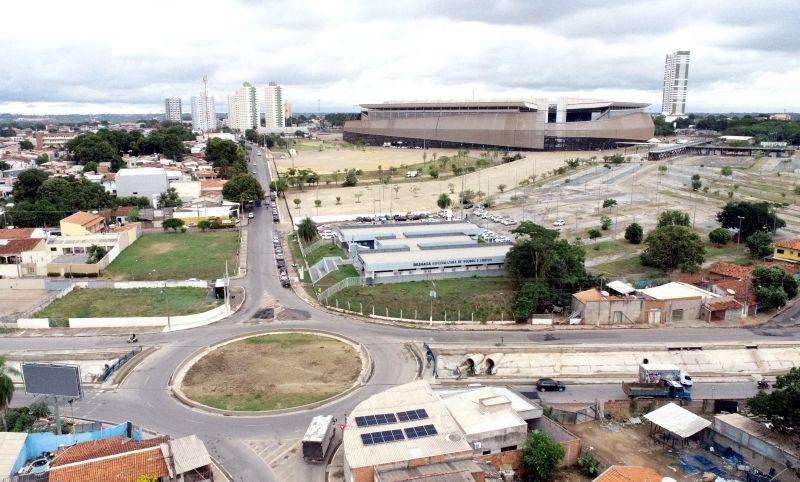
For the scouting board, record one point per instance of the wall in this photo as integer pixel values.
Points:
(602, 312)
(569, 442)
(9, 270)
(36, 323)
(755, 450)
(512, 458)
(176, 322)
(22, 284)
(70, 229)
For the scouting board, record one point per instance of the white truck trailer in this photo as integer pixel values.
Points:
(654, 372)
(318, 438)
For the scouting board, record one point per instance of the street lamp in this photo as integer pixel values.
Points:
(739, 233)
(432, 296)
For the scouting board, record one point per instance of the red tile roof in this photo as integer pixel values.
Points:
(743, 290)
(619, 473)
(723, 305)
(17, 233)
(102, 448)
(17, 246)
(731, 270)
(84, 219)
(126, 467)
(593, 294)
(793, 243)
(212, 184)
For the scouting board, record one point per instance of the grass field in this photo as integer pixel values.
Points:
(177, 256)
(484, 298)
(608, 248)
(293, 369)
(324, 251)
(96, 303)
(344, 271)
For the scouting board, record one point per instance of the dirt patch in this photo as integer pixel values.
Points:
(160, 248)
(271, 372)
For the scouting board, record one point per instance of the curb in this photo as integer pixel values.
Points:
(367, 370)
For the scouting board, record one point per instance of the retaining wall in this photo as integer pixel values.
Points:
(36, 323)
(181, 322)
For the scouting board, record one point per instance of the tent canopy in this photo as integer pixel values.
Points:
(677, 420)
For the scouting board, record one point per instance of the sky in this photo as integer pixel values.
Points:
(87, 57)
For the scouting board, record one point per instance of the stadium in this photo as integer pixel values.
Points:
(534, 124)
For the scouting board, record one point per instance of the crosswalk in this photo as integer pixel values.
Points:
(284, 459)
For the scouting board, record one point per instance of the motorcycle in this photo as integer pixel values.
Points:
(763, 385)
(132, 339)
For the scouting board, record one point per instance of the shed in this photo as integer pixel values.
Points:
(674, 423)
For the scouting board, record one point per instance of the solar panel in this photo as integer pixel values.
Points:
(420, 431)
(381, 437)
(412, 415)
(379, 419)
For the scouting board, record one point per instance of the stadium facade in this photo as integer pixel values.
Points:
(534, 124)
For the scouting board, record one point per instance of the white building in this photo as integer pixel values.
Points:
(676, 81)
(274, 108)
(287, 109)
(172, 109)
(204, 116)
(243, 109)
(146, 181)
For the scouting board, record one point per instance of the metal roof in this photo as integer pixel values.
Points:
(677, 420)
(676, 289)
(477, 254)
(621, 287)
(318, 428)
(189, 453)
(11, 444)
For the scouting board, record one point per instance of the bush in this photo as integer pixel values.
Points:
(589, 464)
(720, 236)
(350, 179)
(541, 456)
(607, 203)
(40, 410)
(594, 233)
(634, 233)
(605, 223)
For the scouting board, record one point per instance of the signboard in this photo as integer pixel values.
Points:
(341, 427)
(52, 379)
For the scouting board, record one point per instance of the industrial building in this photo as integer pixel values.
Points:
(421, 251)
(413, 430)
(149, 182)
(531, 124)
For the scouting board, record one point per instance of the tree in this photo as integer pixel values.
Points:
(444, 201)
(350, 178)
(317, 202)
(297, 202)
(720, 236)
(776, 278)
(4, 166)
(6, 387)
(605, 223)
(756, 216)
(759, 244)
(781, 406)
(662, 169)
(28, 184)
(672, 247)
(170, 198)
(96, 253)
(530, 299)
(607, 203)
(433, 172)
(204, 224)
(726, 171)
(540, 457)
(226, 156)
(280, 186)
(501, 187)
(358, 196)
(634, 233)
(43, 158)
(338, 200)
(174, 224)
(594, 234)
(674, 218)
(94, 147)
(26, 145)
(307, 230)
(696, 184)
(243, 187)
(90, 166)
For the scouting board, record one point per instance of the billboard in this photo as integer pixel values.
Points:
(52, 379)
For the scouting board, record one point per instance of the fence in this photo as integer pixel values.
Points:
(421, 316)
(326, 266)
(437, 276)
(311, 247)
(587, 414)
(120, 361)
(345, 283)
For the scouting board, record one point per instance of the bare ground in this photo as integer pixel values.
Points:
(273, 372)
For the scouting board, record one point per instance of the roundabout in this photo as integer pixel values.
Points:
(271, 372)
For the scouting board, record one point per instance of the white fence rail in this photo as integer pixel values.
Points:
(345, 283)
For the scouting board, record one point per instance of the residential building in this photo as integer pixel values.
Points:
(787, 250)
(172, 109)
(148, 182)
(243, 109)
(287, 109)
(53, 139)
(628, 473)
(524, 124)
(204, 115)
(11, 259)
(781, 117)
(274, 109)
(82, 224)
(676, 82)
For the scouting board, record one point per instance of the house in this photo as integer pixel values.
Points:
(628, 473)
(11, 260)
(81, 224)
(787, 250)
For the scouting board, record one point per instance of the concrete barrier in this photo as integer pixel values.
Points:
(181, 322)
(35, 323)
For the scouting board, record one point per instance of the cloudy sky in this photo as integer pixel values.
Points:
(110, 57)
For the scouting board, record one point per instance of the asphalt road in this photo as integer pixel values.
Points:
(144, 397)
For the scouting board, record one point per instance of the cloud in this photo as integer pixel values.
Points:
(90, 56)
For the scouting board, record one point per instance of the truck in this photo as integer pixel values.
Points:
(660, 389)
(652, 373)
(318, 438)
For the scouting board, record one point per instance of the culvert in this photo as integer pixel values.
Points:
(491, 363)
(472, 363)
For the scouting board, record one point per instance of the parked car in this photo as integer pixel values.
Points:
(559, 222)
(549, 385)
(250, 215)
(285, 282)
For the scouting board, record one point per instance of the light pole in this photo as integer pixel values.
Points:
(739, 233)
(432, 296)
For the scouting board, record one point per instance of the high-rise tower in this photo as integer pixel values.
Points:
(243, 109)
(172, 109)
(676, 81)
(274, 112)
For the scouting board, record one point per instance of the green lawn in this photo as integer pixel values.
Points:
(608, 248)
(344, 271)
(627, 267)
(485, 298)
(97, 303)
(324, 251)
(178, 256)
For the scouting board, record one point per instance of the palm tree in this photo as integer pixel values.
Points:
(307, 230)
(6, 387)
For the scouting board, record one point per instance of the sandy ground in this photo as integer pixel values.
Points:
(318, 365)
(18, 300)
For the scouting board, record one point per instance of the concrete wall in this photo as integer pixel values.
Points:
(176, 322)
(22, 284)
(756, 451)
(36, 323)
(569, 442)
(637, 310)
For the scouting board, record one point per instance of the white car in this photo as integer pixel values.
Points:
(559, 222)
(250, 215)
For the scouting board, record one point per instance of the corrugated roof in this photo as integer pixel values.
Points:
(593, 294)
(619, 473)
(451, 471)
(621, 287)
(725, 304)
(674, 290)
(189, 453)
(677, 420)
(11, 444)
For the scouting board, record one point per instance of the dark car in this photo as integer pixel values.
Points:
(549, 385)
(468, 205)
(285, 282)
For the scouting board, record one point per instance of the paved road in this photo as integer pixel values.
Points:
(144, 397)
(602, 392)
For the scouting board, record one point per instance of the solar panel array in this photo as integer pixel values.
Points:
(380, 419)
(381, 437)
(421, 431)
(412, 415)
